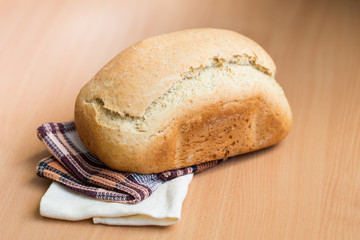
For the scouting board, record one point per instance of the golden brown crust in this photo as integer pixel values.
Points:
(203, 133)
(123, 83)
(215, 132)
(224, 122)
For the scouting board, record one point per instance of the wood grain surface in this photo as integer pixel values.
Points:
(306, 187)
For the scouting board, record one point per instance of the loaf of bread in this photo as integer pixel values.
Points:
(181, 99)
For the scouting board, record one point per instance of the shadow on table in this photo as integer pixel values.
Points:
(240, 159)
(30, 163)
(37, 184)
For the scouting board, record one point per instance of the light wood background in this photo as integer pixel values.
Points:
(306, 187)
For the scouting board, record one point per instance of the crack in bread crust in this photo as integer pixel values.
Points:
(199, 81)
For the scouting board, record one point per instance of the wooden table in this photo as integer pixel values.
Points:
(306, 187)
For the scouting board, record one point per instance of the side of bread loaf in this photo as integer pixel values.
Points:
(181, 99)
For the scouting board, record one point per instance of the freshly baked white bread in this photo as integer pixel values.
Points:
(181, 99)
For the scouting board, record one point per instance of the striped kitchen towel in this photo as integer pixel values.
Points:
(72, 165)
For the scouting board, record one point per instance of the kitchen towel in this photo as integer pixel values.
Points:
(72, 165)
(162, 208)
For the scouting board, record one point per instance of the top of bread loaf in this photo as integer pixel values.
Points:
(125, 85)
